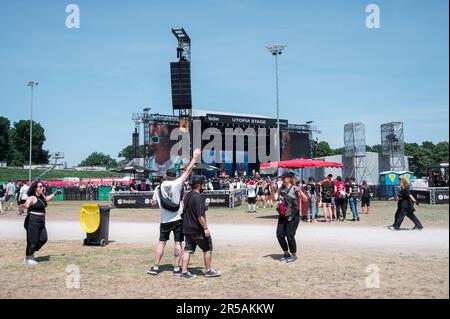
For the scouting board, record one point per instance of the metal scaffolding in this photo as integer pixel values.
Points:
(355, 149)
(393, 146)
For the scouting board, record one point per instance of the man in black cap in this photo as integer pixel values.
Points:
(169, 196)
(196, 230)
(289, 216)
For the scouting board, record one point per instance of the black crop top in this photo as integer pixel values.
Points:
(40, 205)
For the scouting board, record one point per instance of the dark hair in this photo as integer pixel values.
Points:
(330, 175)
(352, 179)
(339, 179)
(33, 187)
(310, 179)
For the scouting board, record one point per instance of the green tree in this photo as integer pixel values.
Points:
(20, 136)
(5, 145)
(127, 152)
(441, 152)
(375, 148)
(322, 149)
(420, 158)
(99, 159)
(339, 151)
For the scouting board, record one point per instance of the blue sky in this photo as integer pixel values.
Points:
(334, 70)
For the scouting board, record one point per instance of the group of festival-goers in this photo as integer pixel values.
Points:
(183, 211)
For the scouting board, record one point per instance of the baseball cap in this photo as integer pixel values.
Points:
(171, 173)
(197, 180)
(287, 175)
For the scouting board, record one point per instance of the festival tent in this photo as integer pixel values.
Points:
(301, 163)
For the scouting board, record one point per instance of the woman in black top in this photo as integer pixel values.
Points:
(289, 196)
(405, 207)
(35, 220)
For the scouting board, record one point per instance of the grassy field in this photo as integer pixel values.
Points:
(382, 214)
(7, 174)
(119, 271)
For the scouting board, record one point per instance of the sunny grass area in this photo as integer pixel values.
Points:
(119, 271)
(382, 214)
(7, 174)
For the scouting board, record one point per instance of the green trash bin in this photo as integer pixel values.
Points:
(103, 193)
(59, 197)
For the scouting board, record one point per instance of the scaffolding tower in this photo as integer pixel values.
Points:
(393, 147)
(355, 149)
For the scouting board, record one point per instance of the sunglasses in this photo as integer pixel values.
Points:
(155, 139)
(40, 186)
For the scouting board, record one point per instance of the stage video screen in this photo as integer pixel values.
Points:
(159, 147)
(295, 145)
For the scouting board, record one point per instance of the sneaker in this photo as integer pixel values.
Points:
(284, 257)
(393, 228)
(177, 272)
(30, 262)
(353, 220)
(153, 271)
(358, 219)
(291, 259)
(187, 275)
(211, 273)
(416, 228)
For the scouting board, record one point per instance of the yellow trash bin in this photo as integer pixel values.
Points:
(94, 220)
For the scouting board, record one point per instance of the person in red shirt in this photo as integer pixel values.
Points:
(341, 199)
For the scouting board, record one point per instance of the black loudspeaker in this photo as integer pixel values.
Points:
(180, 73)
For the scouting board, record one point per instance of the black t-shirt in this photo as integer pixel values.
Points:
(194, 207)
(311, 188)
(403, 199)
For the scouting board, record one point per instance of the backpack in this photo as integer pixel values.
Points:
(168, 204)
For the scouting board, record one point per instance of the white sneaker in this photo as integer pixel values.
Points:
(30, 262)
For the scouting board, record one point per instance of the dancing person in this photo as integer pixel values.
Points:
(289, 216)
(169, 197)
(354, 198)
(327, 190)
(268, 194)
(365, 198)
(35, 221)
(195, 230)
(251, 196)
(311, 204)
(405, 207)
(341, 199)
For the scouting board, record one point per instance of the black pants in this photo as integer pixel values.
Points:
(36, 233)
(400, 216)
(341, 206)
(286, 230)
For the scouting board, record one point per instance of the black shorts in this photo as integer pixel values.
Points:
(8, 198)
(22, 201)
(192, 241)
(251, 200)
(365, 202)
(176, 227)
(326, 200)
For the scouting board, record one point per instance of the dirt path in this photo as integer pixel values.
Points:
(428, 241)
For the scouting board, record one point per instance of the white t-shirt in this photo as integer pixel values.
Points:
(10, 189)
(23, 192)
(171, 190)
(251, 191)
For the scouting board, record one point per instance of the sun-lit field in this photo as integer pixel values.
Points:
(249, 269)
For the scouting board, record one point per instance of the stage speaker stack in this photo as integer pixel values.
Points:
(180, 73)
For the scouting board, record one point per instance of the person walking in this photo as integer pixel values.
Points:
(289, 216)
(35, 221)
(341, 199)
(327, 190)
(10, 191)
(2, 198)
(312, 197)
(365, 198)
(23, 196)
(405, 207)
(169, 197)
(196, 231)
(251, 196)
(354, 198)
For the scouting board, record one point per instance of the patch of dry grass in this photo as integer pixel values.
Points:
(119, 271)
